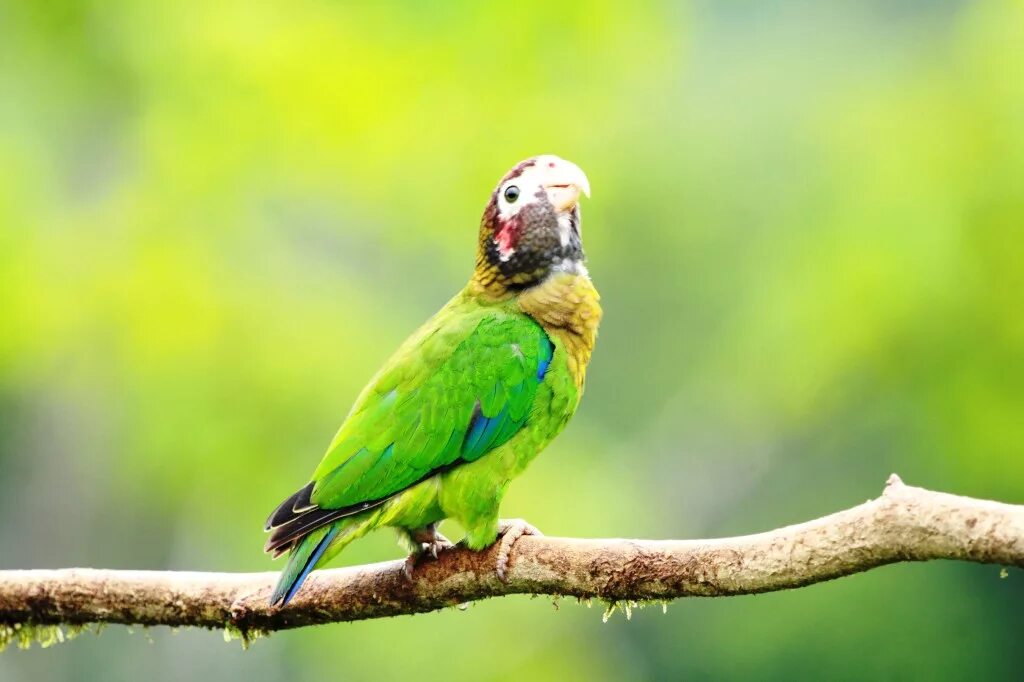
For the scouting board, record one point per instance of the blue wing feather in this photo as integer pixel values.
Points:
(482, 430)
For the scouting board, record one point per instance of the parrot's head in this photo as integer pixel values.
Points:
(531, 226)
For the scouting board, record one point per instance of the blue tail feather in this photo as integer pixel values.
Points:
(288, 585)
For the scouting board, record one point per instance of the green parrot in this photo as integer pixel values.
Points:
(469, 399)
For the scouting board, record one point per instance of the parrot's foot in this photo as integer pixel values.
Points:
(430, 543)
(510, 530)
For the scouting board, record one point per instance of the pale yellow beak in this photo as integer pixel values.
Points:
(564, 181)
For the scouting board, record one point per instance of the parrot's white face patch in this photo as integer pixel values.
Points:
(527, 185)
(533, 181)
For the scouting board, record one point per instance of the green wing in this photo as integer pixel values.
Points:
(461, 387)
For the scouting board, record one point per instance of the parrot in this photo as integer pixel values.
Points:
(467, 401)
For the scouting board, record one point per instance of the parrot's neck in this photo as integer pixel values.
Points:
(566, 305)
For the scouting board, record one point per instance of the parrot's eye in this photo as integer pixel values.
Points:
(511, 194)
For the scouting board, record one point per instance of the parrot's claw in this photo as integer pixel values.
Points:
(510, 530)
(430, 544)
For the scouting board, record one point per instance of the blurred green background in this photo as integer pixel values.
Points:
(218, 219)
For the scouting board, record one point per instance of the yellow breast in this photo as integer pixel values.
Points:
(567, 306)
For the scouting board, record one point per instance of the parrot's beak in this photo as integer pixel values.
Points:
(564, 182)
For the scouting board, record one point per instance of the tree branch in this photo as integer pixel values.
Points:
(904, 524)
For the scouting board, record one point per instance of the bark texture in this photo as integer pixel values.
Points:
(904, 524)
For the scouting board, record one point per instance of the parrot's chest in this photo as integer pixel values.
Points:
(568, 307)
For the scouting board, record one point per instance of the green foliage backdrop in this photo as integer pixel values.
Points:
(218, 219)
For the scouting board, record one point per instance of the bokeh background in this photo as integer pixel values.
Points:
(218, 219)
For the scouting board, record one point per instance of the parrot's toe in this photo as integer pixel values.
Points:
(510, 530)
(430, 544)
(440, 544)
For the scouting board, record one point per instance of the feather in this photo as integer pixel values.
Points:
(294, 504)
(300, 564)
(456, 392)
